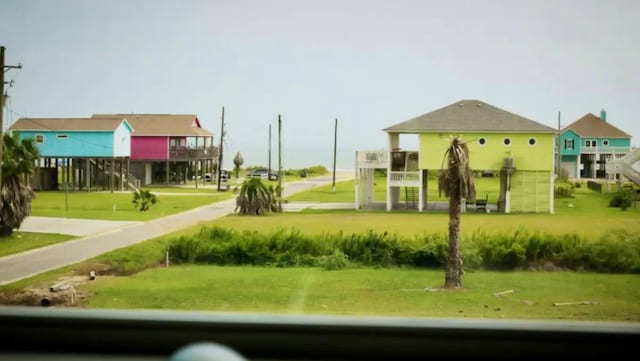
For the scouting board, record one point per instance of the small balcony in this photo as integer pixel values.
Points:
(604, 150)
(186, 153)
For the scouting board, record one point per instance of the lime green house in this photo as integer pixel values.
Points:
(516, 151)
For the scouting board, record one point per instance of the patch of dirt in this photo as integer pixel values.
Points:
(74, 294)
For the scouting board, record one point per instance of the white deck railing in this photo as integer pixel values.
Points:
(404, 178)
(604, 150)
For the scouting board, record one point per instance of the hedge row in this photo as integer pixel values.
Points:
(619, 252)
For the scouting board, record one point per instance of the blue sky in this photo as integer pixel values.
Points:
(370, 64)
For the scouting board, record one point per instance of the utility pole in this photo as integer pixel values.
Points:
(335, 148)
(220, 150)
(269, 172)
(2, 96)
(558, 156)
(279, 162)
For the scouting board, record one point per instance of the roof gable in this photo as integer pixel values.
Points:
(469, 115)
(162, 124)
(594, 127)
(68, 124)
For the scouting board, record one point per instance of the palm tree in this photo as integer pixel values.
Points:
(238, 161)
(256, 198)
(457, 182)
(143, 198)
(16, 194)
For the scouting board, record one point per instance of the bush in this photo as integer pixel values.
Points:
(563, 192)
(617, 252)
(335, 261)
(622, 199)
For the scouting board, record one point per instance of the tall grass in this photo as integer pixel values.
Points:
(617, 253)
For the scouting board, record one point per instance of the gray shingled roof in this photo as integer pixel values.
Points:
(67, 124)
(469, 115)
(163, 124)
(592, 126)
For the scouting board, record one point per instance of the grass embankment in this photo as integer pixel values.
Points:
(23, 241)
(115, 206)
(408, 224)
(392, 292)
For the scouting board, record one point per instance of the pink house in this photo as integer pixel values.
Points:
(168, 148)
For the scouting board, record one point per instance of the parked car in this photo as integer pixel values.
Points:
(262, 173)
(225, 175)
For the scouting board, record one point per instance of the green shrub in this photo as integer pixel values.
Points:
(335, 261)
(563, 192)
(622, 199)
(317, 170)
(617, 252)
(503, 251)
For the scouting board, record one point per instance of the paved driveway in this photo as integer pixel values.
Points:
(22, 265)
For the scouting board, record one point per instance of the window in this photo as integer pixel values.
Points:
(39, 139)
(482, 141)
(507, 141)
(532, 141)
(568, 144)
(605, 142)
(590, 143)
(61, 136)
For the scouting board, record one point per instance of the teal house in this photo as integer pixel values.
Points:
(588, 144)
(84, 153)
(77, 137)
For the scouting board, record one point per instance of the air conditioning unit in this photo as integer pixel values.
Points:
(508, 165)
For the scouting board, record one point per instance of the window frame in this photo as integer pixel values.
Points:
(570, 142)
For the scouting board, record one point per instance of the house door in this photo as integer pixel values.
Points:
(569, 169)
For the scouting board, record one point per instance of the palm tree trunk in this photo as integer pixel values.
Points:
(453, 272)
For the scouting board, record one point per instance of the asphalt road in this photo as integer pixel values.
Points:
(22, 265)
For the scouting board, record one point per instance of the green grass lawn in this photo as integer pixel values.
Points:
(115, 206)
(24, 241)
(409, 224)
(390, 292)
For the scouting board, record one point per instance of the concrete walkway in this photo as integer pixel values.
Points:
(71, 226)
(22, 265)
